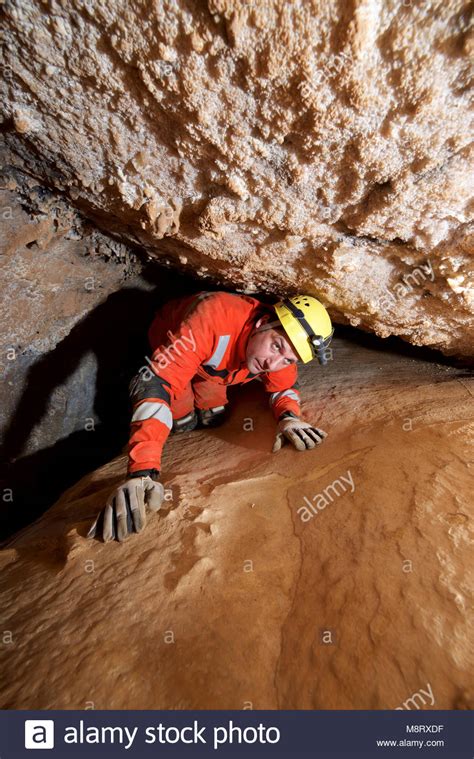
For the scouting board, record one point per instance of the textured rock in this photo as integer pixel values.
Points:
(65, 350)
(272, 145)
(230, 599)
(54, 273)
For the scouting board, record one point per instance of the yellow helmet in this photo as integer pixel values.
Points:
(308, 326)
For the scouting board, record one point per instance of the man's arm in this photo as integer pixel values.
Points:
(171, 368)
(285, 403)
(284, 392)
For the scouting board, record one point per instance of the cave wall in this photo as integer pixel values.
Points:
(58, 277)
(67, 348)
(271, 146)
(75, 309)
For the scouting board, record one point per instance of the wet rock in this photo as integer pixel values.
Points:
(230, 599)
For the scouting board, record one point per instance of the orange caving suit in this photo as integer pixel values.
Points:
(198, 346)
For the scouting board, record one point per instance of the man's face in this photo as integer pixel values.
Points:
(270, 350)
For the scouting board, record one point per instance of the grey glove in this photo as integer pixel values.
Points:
(125, 510)
(301, 434)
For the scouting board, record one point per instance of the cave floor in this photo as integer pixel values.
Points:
(336, 578)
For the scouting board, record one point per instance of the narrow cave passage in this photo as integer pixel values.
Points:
(371, 522)
(67, 411)
(236, 398)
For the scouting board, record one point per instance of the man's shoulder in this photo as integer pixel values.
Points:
(222, 305)
(233, 300)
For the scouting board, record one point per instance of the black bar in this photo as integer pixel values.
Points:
(279, 734)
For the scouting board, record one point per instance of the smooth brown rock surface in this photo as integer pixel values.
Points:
(228, 599)
(275, 146)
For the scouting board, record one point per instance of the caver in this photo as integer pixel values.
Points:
(200, 345)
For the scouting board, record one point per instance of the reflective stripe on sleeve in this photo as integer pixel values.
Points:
(218, 354)
(153, 410)
(281, 394)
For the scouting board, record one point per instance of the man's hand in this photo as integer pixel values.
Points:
(125, 510)
(301, 434)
